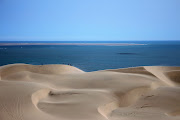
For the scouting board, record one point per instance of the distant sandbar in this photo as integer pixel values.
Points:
(103, 44)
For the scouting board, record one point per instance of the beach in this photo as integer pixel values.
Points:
(63, 92)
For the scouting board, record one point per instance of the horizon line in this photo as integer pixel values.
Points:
(79, 40)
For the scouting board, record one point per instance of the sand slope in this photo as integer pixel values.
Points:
(61, 92)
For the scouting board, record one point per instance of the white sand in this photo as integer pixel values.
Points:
(61, 92)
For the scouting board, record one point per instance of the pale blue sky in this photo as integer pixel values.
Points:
(89, 20)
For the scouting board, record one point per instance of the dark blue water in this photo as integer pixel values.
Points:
(92, 58)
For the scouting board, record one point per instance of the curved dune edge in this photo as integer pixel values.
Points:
(125, 100)
(38, 95)
(65, 92)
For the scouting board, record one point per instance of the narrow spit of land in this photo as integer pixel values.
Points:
(103, 44)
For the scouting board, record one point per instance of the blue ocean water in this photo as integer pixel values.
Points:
(92, 58)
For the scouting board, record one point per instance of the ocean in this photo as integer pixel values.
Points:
(93, 58)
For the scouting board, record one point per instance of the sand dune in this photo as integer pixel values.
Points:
(62, 92)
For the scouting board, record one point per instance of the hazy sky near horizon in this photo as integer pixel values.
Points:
(89, 20)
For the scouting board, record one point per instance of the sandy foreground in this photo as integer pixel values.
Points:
(61, 92)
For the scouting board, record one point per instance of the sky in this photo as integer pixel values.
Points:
(89, 20)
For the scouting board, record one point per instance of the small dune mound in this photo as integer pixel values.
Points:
(134, 70)
(174, 76)
(41, 69)
(125, 100)
(168, 75)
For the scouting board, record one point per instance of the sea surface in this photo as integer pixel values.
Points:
(93, 58)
